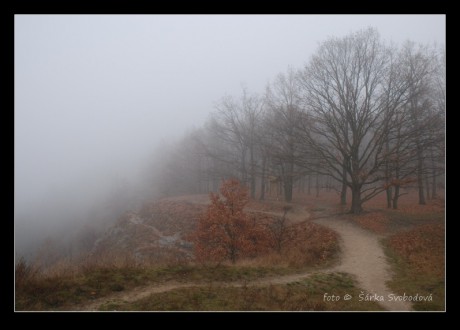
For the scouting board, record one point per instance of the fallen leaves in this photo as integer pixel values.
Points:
(422, 247)
(376, 222)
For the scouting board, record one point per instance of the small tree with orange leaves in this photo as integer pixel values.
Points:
(225, 231)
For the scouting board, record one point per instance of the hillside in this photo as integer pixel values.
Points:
(146, 262)
(159, 231)
(154, 233)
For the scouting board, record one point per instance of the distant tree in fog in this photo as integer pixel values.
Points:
(284, 112)
(361, 114)
(236, 122)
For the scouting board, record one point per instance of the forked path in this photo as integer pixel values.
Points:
(361, 256)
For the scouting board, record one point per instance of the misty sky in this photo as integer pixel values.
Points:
(94, 95)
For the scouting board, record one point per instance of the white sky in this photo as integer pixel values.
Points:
(95, 94)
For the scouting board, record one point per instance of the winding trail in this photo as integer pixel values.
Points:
(361, 256)
(145, 291)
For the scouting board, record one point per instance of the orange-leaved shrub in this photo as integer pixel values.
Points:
(225, 231)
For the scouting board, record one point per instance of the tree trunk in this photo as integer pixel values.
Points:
(343, 193)
(396, 197)
(253, 173)
(356, 204)
(309, 185)
(289, 182)
(433, 183)
(389, 197)
(421, 192)
(317, 185)
(262, 182)
(427, 183)
(389, 190)
(288, 189)
(244, 174)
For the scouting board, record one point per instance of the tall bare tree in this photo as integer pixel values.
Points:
(437, 151)
(369, 116)
(420, 62)
(283, 101)
(236, 123)
(350, 107)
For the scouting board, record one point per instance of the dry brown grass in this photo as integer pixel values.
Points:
(418, 260)
(305, 245)
(386, 221)
(375, 221)
(303, 295)
(54, 286)
(422, 248)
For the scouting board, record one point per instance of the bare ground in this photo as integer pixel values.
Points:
(361, 256)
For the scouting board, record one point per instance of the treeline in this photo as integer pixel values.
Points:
(361, 116)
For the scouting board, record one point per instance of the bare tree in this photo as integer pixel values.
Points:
(236, 123)
(350, 107)
(283, 101)
(369, 116)
(182, 168)
(437, 150)
(420, 63)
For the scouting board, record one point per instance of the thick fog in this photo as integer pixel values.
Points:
(96, 96)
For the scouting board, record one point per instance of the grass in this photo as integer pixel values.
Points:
(416, 255)
(417, 259)
(62, 292)
(398, 219)
(58, 292)
(384, 221)
(310, 247)
(305, 295)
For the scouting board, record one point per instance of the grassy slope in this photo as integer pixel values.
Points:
(311, 248)
(418, 266)
(60, 292)
(305, 295)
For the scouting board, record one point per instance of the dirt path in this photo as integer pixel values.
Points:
(131, 295)
(361, 256)
(145, 291)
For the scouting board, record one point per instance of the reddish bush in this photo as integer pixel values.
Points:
(225, 231)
